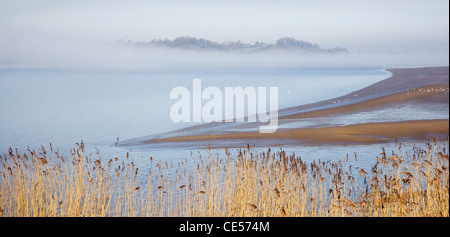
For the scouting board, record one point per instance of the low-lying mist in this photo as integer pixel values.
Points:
(41, 51)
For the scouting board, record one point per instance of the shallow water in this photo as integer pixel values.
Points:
(396, 113)
(62, 107)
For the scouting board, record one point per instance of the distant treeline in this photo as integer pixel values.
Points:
(283, 44)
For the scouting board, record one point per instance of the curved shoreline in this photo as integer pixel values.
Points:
(424, 92)
(414, 86)
(351, 134)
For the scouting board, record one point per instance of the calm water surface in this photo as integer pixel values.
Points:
(62, 107)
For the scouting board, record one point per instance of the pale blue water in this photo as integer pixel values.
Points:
(62, 107)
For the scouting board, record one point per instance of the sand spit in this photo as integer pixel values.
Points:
(413, 86)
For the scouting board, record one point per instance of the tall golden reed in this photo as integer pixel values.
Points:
(246, 183)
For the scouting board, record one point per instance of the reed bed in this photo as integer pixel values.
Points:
(243, 183)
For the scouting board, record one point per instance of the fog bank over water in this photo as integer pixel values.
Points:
(381, 25)
(84, 34)
(37, 50)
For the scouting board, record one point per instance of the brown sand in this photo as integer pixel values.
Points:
(403, 81)
(423, 93)
(354, 134)
(416, 85)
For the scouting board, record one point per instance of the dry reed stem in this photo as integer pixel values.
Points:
(247, 183)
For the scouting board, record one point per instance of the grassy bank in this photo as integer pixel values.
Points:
(246, 183)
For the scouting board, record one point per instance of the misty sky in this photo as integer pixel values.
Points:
(79, 32)
(355, 24)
